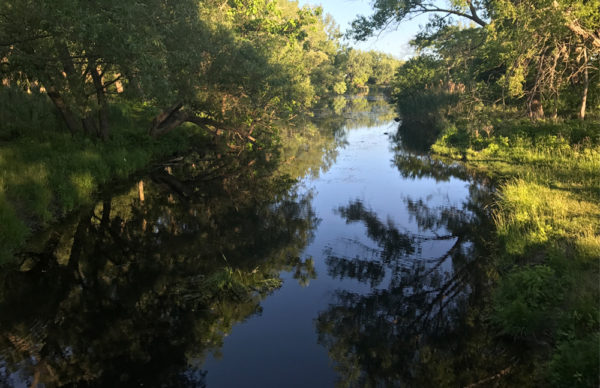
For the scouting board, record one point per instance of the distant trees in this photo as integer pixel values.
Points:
(367, 68)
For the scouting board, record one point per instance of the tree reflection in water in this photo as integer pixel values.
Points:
(137, 291)
(420, 323)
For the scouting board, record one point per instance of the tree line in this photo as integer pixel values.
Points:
(233, 65)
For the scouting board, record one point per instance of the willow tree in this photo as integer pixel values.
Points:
(267, 60)
(221, 65)
(77, 50)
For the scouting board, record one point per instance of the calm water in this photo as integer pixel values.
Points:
(368, 270)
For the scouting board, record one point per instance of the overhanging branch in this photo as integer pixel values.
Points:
(430, 8)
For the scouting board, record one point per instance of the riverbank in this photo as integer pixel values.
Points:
(547, 220)
(46, 173)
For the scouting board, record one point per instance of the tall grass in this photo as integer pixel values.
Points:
(531, 214)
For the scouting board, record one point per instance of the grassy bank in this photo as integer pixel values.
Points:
(45, 172)
(548, 228)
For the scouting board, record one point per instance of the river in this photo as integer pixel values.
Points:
(367, 268)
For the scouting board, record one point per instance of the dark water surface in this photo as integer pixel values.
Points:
(218, 271)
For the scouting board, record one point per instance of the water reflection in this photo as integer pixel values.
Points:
(420, 322)
(137, 290)
(141, 288)
(357, 112)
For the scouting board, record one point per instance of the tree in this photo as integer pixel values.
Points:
(534, 51)
(77, 50)
(546, 46)
(384, 68)
(222, 65)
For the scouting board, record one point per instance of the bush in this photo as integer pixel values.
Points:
(523, 303)
(575, 363)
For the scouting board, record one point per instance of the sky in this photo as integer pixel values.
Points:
(393, 42)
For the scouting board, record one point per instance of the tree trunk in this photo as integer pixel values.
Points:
(593, 37)
(89, 125)
(175, 116)
(586, 84)
(66, 60)
(68, 116)
(74, 81)
(103, 129)
(106, 208)
(536, 110)
(166, 121)
(74, 121)
(141, 190)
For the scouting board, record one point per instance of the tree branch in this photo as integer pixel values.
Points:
(175, 116)
(576, 28)
(473, 17)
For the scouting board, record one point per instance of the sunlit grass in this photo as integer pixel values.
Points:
(530, 213)
(547, 220)
(48, 173)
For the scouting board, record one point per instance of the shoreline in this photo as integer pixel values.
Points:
(547, 221)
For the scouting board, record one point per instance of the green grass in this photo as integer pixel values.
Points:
(45, 173)
(547, 221)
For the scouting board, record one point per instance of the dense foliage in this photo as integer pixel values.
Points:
(535, 57)
(213, 63)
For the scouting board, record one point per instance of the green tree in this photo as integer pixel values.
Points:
(548, 47)
(530, 53)
(359, 68)
(384, 68)
(233, 65)
(77, 50)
